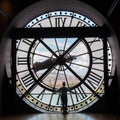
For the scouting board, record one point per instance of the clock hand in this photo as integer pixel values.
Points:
(45, 64)
(70, 58)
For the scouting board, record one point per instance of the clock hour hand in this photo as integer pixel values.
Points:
(43, 65)
(70, 58)
(47, 63)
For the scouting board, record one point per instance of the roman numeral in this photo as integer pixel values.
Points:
(80, 24)
(23, 60)
(76, 95)
(40, 96)
(98, 60)
(94, 40)
(60, 22)
(93, 80)
(28, 80)
(27, 41)
(81, 93)
(100, 49)
(17, 42)
(40, 25)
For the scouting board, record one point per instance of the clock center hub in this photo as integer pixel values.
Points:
(63, 59)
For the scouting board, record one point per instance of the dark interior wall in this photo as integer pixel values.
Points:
(9, 101)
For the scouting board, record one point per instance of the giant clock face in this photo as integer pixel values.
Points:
(42, 64)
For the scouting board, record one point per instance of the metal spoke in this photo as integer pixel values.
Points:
(66, 78)
(72, 46)
(72, 71)
(38, 54)
(82, 81)
(57, 45)
(40, 79)
(49, 48)
(56, 77)
(78, 64)
(91, 42)
(65, 44)
(97, 69)
(82, 54)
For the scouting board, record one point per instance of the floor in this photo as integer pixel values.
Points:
(79, 116)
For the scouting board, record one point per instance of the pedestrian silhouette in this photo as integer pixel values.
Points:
(63, 93)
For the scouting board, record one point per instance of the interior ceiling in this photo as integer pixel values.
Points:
(103, 6)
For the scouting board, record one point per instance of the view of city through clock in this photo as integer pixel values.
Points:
(79, 62)
(43, 64)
